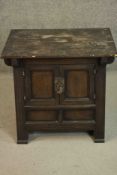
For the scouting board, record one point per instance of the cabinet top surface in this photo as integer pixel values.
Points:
(52, 43)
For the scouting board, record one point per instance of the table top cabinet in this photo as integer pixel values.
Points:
(59, 79)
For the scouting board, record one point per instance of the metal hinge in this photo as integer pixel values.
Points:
(24, 97)
(94, 96)
(95, 71)
(23, 73)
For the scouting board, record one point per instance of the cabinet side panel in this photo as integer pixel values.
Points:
(39, 84)
(22, 134)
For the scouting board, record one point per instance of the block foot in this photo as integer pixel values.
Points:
(22, 141)
(99, 140)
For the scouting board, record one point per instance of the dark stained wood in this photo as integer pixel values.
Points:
(59, 79)
(60, 116)
(31, 105)
(52, 43)
(99, 133)
(22, 134)
(65, 126)
(58, 61)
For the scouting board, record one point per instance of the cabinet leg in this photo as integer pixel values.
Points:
(22, 139)
(91, 133)
(22, 134)
(99, 140)
(99, 135)
(99, 131)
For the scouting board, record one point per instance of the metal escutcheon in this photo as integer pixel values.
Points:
(59, 85)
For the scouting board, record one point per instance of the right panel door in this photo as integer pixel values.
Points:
(79, 84)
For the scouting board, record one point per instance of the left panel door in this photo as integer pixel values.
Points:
(39, 84)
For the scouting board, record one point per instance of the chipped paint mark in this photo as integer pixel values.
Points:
(61, 40)
(64, 35)
(92, 55)
(33, 56)
(47, 36)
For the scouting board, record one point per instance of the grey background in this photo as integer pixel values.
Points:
(56, 153)
(56, 14)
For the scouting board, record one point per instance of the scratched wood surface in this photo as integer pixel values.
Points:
(52, 43)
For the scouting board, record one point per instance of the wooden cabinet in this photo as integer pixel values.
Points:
(59, 79)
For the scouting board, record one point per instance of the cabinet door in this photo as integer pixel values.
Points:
(78, 84)
(39, 84)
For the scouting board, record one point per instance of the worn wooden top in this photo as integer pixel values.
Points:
(44, 43)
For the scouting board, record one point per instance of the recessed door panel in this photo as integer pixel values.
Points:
(42, 84)
(79, 84)
(39, 86)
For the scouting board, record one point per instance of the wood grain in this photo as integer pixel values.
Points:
(53, 43)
